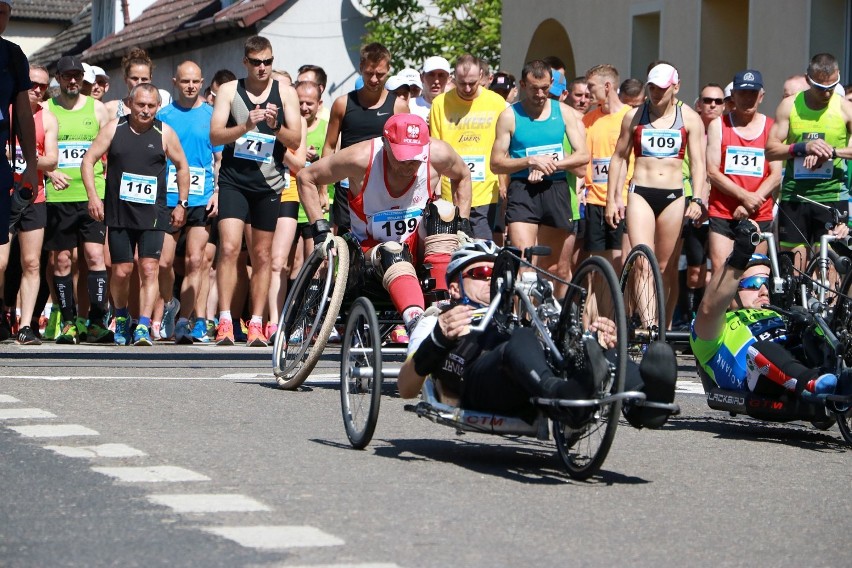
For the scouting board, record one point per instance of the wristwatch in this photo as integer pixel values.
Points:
(699, 201)
(184, 203)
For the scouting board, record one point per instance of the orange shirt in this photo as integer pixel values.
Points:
(602, 131)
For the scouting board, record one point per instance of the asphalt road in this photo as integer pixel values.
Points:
(189, 456)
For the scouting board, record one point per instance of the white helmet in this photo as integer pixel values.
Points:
(470, 253)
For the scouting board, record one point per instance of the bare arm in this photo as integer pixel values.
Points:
(220, 132)
(174, 152)
(295, 161)
(695, 148)
(449, 164)
(27, 140)
(102, 114)
(577, 161)
(776, 143)
(618, 170)
(351, 161)
(50, 159)
(291, 132)
(332, 133)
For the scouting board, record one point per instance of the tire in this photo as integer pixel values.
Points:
(360, 395)
(844, 423)
(644, 300)
(311, 310)
(841, 323)
(833, 284)
(594, 291)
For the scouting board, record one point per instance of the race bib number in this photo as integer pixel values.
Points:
(138, 189)
(661, 143)
(825, 171)
(476, 165)
(395, 225)
(20, 162)
(196, 180)
(743, 161)
(554, 150)
(600, 170)
(71, 154)
(255, 146)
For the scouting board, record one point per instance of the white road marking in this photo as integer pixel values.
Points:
(53, 430)
(689, 387)
(364, 565)
(19, 413)
(8, 399)
(151, 474)
(99, 451)
(208, 503)
(270, 537)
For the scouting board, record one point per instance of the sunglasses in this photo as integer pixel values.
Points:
(76, 75)
(102, 82)
(708, 100)
(821, 87)
(42, 86)
(257, 62)
(754, 283)
(479, 273)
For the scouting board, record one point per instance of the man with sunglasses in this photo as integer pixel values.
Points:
(741, 343)
(811, 132)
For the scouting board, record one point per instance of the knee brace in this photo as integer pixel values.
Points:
(391, 260)
(441, 218)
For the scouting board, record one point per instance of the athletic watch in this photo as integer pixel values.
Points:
(699, 201)
(184, 203)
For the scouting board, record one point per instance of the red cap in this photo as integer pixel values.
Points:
(408, 137)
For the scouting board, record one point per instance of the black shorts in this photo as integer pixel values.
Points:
(33, 218)
(196, 216)
(695, 243)
(800, 222)
(544, 203)
(124, 242)
(725, 227)
(599, 236)
(485, 221)
(69, 224)
(257, 208)
(340, 214)
(288, 209)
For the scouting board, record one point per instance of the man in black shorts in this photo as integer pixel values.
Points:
(134, 205)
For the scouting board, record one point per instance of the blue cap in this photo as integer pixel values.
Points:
(559, 85)
(359, 82)
(748, 80)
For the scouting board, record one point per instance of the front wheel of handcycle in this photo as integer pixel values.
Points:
(309, 314)
(644, 300)
(844, 424)
(361, 373)
(593, 310)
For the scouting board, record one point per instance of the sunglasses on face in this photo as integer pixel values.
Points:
(42, 86)
(479, 273)
(257, 62)
(754, 283)
(823, 88)
(708, 100)
(68, 76)
(102, 82)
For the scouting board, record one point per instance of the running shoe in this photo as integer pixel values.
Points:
(183, 333)
(141, 336)
(225, 333)
(399, 335)
(170, 312)
(212, 324)
(82, 328)
(54, 324)
(334, 336)
(256, 338)
(199, 331)
(26, 336)
(99, 334)
(122, 331)
(241, 333)
(269, 331)
(297, 336)
(68, 335)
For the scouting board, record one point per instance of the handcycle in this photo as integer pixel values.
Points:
(813, 308)
(582, 429)
(644, 300)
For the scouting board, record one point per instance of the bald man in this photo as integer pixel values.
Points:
(795, 85)
(190, 119)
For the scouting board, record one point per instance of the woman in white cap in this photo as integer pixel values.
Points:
(658, 133)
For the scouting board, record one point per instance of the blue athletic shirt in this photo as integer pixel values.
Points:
(538, 137)
(192, 126)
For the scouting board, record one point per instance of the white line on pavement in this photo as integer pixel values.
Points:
(363, 565)
(689, 387)
(99, 451)
(53, 430)
(8, 399)
(18, 413)
(152, 474)
(208, 503)
(317, 378)
(270, 537)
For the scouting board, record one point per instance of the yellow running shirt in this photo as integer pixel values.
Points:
(469, 127)
(602, 132)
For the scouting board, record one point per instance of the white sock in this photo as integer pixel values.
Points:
(257, 320)
(225, 315)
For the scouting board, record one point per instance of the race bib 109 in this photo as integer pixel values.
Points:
(661, 143)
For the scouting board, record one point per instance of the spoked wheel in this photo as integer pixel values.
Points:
(593, 308)
(644, 300)
(844, 423)
(829, 281)
(841, 323)
(309, 314)
(361, 373)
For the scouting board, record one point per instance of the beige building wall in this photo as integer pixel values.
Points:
(31, 36)
(707, 40)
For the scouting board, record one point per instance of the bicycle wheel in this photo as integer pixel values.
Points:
(361, 373)
(829, 285)
(844, 423)
(593, 296)
(309, 314)
(644, 300)
(841, 323)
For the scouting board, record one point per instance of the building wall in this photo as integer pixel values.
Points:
(31, 36)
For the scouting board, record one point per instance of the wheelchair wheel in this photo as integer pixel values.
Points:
(309, 315)
(844, 423)
(831, 283)
(361, 373)
(593, 297)
(644, 300)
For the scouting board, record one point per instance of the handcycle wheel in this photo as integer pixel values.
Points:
(361, 373)
(309, 315)
(644, 300)
(841, 323)
(594, 293)
(832, 284)
(844, 423)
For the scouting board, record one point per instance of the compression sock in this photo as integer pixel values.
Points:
(65, 294)
(97, 280)
(405, 292)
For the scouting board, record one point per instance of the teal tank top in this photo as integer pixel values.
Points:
(537, 137)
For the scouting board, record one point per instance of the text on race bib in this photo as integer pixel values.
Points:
(196, 180)
(20, 162)
(600, 170)
(554, 150)
(661, 143)
(71, 154)
(476, 165)
(138, 189)
(744, 161)
(825, 171)
(395, 225)
(255, 146)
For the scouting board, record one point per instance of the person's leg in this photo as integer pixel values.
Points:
(194, 266)
(773, 370)
(31, 242)
(166, 284)
(261, 274)
(667, 250)
(96, 286)
(280, 268)
(230, 243)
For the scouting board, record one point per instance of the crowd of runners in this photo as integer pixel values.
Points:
(173, 213)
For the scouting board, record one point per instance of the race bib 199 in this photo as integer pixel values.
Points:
(744, 161)
(255, 146)
(138, 189)
(395, 225)
(661, 143)
(476, 165)
(196, 180)
(71, 154)
(600, 170)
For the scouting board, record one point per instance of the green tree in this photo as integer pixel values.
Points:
(413, 34)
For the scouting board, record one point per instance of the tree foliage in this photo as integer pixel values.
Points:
(450, 28)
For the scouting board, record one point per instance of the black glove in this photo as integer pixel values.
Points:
(746, 237)
(322, 234)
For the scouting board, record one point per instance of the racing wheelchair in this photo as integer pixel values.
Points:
(583, 429)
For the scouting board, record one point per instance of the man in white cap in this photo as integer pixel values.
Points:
(435, 74)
